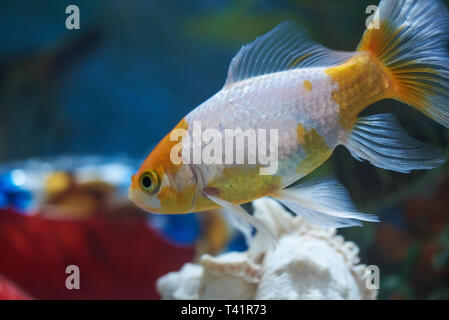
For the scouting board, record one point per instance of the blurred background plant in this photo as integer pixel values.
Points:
(136, 67)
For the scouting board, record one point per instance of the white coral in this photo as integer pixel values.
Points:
(309, 263)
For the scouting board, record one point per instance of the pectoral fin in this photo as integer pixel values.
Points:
(241, 225)
(245, 216)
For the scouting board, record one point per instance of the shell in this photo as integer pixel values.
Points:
(309, 263)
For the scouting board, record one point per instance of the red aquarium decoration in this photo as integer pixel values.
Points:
(118, 257)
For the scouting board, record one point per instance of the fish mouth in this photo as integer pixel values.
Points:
(133, 196)
(138, 199)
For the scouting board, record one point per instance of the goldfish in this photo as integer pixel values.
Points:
(312, 97)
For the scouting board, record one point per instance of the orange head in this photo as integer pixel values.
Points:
(160, 185)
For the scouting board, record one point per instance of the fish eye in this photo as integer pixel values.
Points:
(149, 182)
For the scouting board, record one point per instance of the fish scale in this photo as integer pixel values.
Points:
(275, 101)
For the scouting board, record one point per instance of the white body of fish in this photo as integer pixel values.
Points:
(279, 101)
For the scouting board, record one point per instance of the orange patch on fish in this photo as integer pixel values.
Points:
(362, 80)
(243, 184)
(176, 201)
(160, 160)
(308, 85)
(317, 151)
(373, 41)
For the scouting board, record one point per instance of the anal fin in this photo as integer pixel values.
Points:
(323, 202)
(382, 141)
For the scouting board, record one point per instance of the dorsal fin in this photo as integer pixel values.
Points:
(285, 47)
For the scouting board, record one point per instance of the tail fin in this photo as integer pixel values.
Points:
(412, 44)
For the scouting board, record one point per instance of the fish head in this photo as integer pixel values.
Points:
(163, 185)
